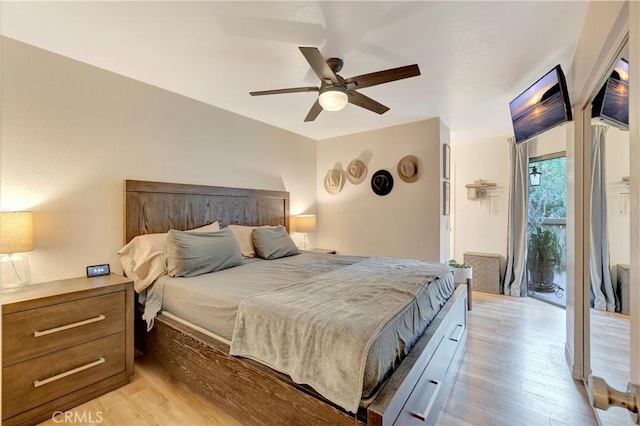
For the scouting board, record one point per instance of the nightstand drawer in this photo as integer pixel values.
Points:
(31, 383)
(36, 332)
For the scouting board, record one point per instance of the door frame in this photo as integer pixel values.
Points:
(634, 142)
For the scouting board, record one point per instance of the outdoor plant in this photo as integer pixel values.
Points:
(544, 254)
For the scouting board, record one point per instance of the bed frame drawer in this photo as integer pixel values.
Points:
(420, 407)
(424, 403)
(33, 382)
(35, 332)
(416, 394)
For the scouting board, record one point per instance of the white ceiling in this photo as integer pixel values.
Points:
(474, 56)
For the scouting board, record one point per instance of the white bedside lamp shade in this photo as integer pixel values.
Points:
(16, 236)
(304, 224)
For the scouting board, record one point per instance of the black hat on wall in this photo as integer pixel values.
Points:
(382, 182)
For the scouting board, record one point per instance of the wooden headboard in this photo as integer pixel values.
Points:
(152, 207)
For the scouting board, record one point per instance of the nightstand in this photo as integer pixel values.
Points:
(63, 343)
(320, 250)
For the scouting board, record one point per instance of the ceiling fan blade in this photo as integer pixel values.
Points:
(366, 102)
(380, 77)
(315, 110)
(291, 90)
(318, 64)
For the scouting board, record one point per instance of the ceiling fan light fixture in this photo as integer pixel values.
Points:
(336, 92)
(333, 99)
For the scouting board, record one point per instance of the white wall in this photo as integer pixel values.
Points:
(405, 223)
(71, 133)
(482, 226)
(618, 208)
(550, 142)
(589, 63)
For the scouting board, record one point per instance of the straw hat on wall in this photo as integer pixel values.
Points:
(356, 172)
(408, 168)
(333, 181)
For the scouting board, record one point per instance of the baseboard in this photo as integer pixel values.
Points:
(576, 370)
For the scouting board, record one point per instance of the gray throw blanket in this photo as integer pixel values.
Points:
(319, 331)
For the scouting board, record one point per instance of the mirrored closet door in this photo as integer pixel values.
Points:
(609, 240)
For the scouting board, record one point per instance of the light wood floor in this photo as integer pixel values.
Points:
(610, 358)
(513, 373)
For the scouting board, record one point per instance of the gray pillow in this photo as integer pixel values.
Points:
(191, 254)
(273, 243)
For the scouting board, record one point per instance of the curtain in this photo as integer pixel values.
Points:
(515, 277)
(602, 294)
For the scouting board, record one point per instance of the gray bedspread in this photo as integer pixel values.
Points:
(211, 301)
(320, 330)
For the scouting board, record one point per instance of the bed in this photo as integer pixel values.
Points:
(250, 391)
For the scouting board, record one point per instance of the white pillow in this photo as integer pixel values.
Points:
(143, 258)
(243, 235)
(212, 227)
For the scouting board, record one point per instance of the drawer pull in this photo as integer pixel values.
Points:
(68, 326)
(423, 416)
(68, 373)
(458, 336)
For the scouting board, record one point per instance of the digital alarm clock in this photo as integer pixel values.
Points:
(98, 270)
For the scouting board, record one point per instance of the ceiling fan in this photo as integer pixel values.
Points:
(335, 92)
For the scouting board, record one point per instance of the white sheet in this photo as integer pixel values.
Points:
(211, 300)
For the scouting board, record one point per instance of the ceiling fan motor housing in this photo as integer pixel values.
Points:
(335, 64)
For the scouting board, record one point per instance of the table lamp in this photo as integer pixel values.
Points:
(16, 236)
(304, 224)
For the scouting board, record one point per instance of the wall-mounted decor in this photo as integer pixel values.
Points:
(333, 181)
(356, 172)
(478, 190)
(446, 161)
(446, 197)
(382, 182)
(408, 168)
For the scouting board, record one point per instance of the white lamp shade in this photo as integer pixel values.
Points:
(306, 223)
(16, 232)
(333, 99)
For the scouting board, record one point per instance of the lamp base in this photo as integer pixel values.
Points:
(305, 242)
(14, 272)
